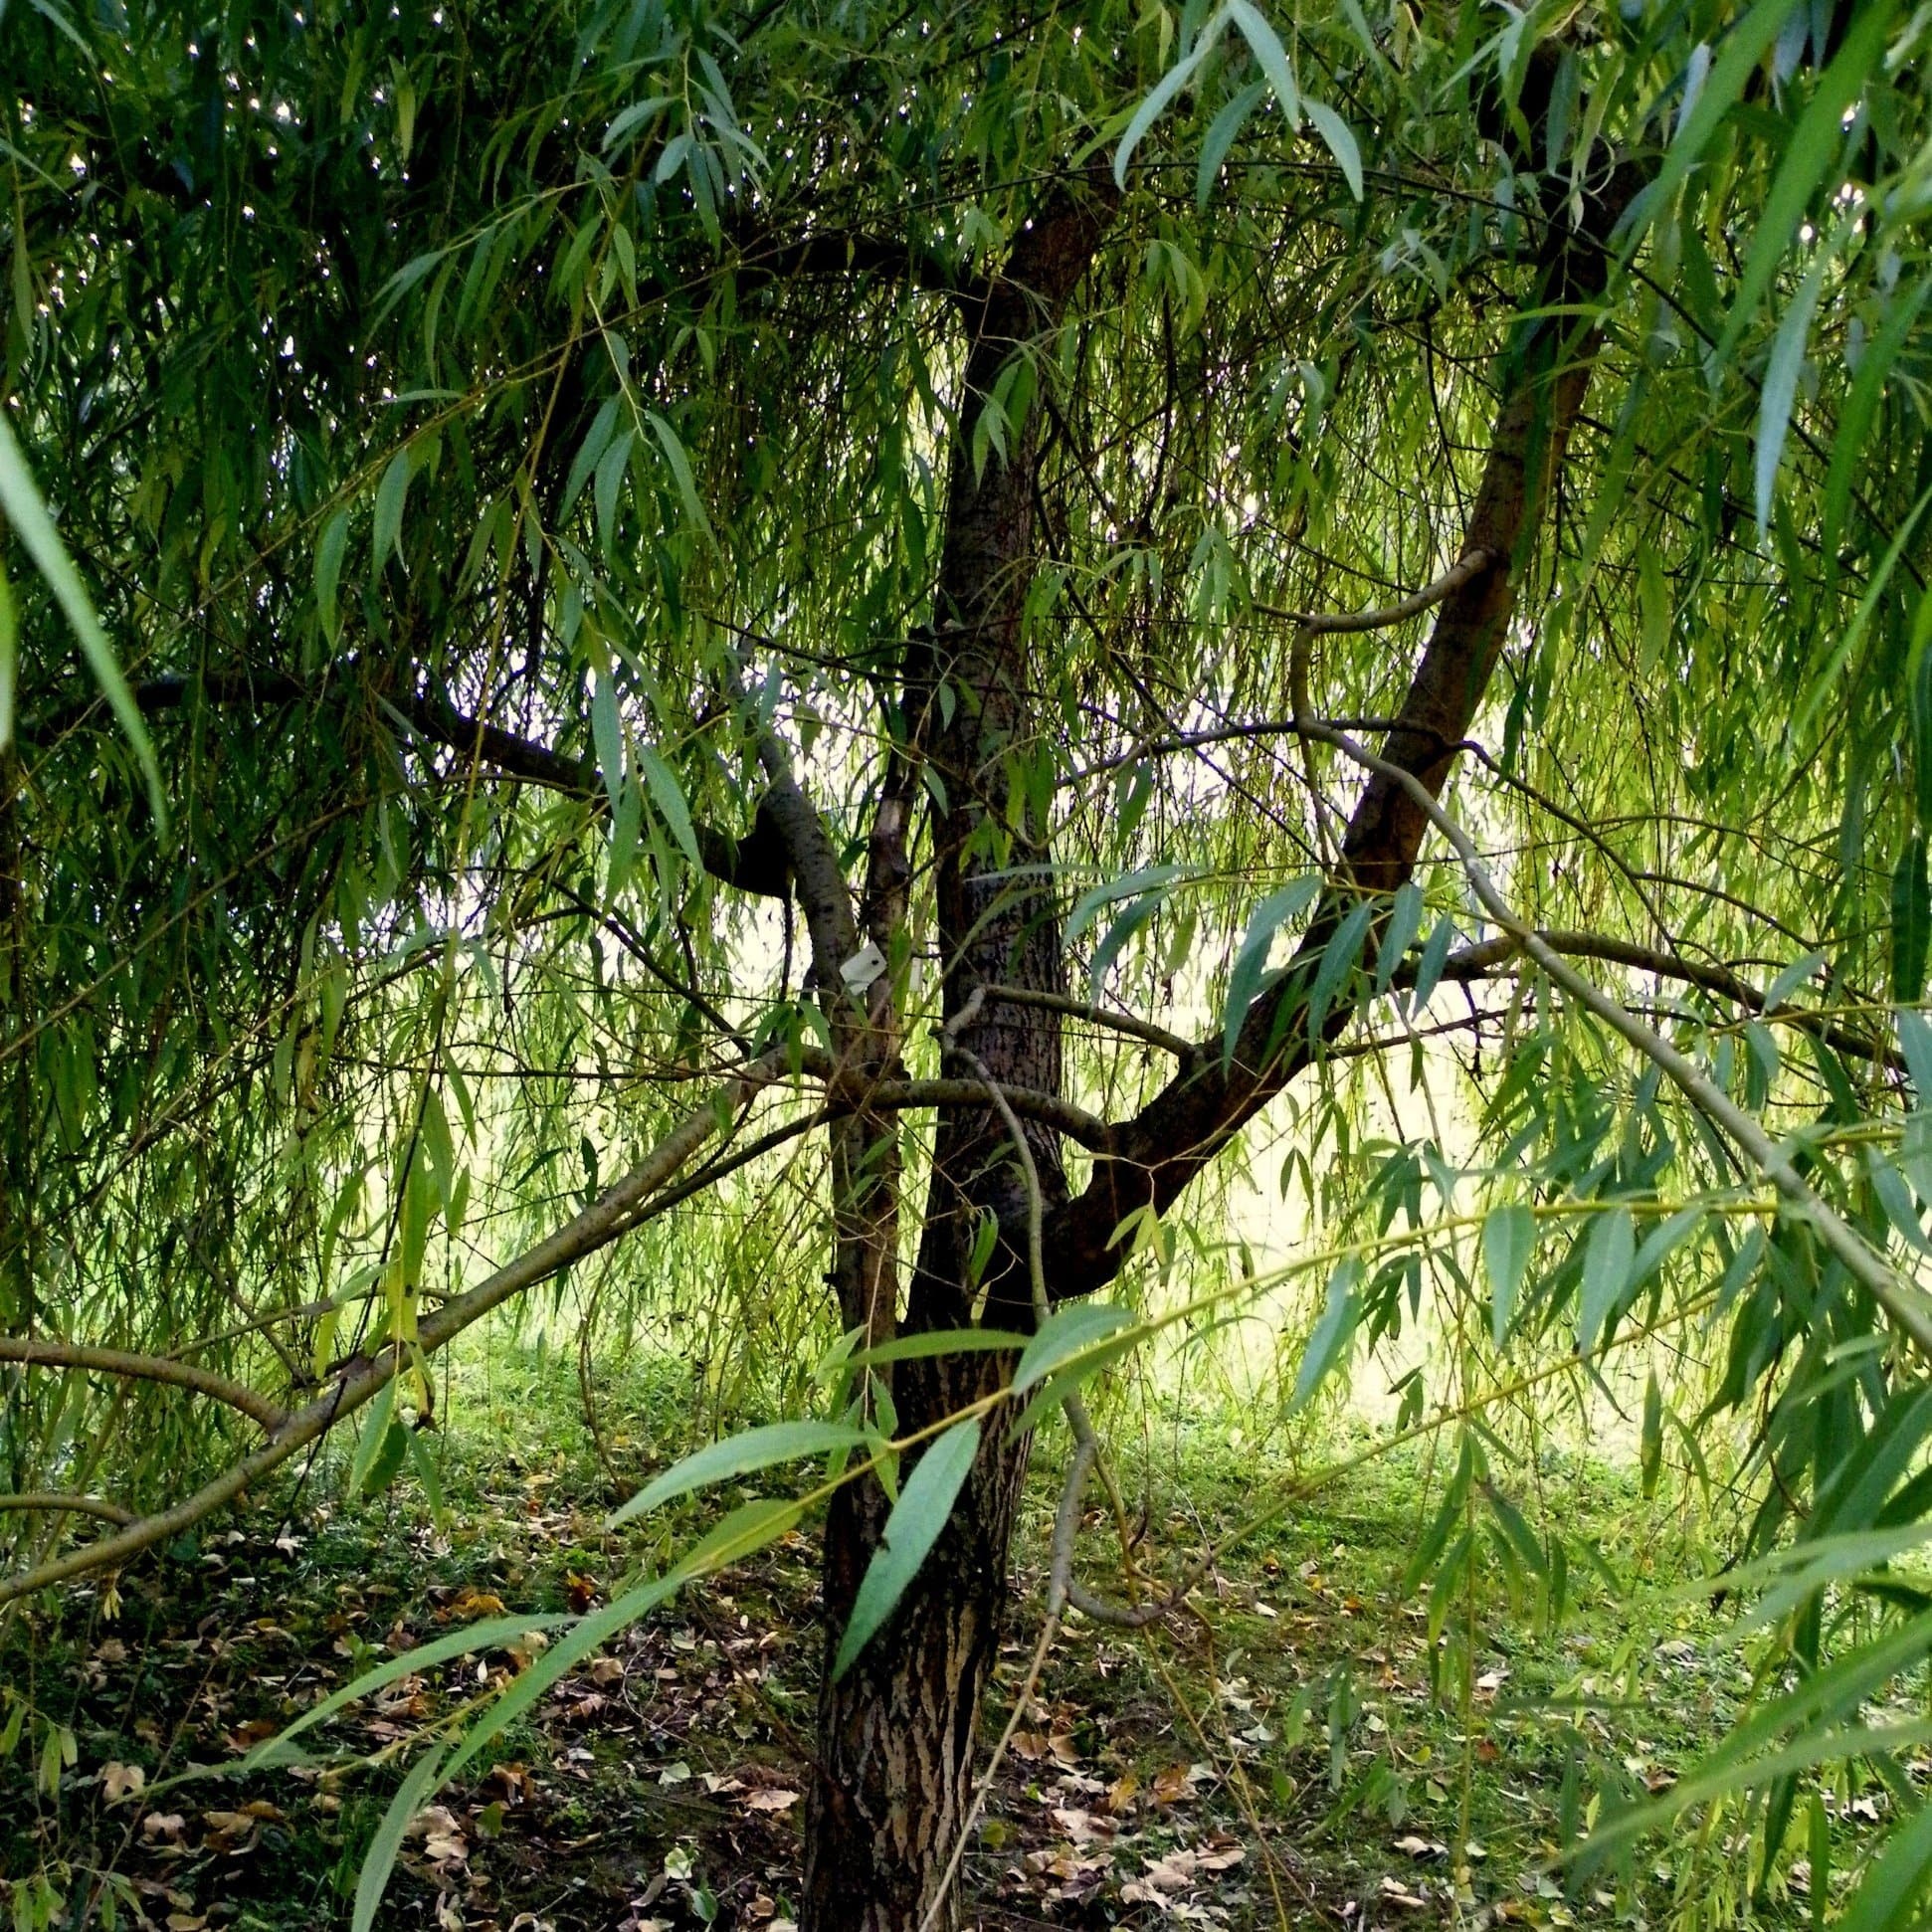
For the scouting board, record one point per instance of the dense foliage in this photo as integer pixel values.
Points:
(519, 454)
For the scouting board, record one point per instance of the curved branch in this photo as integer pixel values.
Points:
(1465, 570)
(36, 1354)
(1904, 1301)
(1480, 960)
(55, 1501)
(754, 863)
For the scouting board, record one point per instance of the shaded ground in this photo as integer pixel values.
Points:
(1286, 1757)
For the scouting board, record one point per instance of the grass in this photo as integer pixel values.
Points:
(1315, 1746)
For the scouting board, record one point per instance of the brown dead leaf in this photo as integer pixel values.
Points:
(1121, 1795)
(1171, 1786)
(245, 1737)
(770, 1800)
(163, 1825)
(581, 1591)
(1032, 1746)
(471, 1604)
(605, 1671)
(120, 1781)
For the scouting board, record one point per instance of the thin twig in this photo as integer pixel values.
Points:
(1904, 1301)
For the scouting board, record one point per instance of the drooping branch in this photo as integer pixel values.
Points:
(623, 1205)
(32, 1352)
(1904, 1301)
(57, 1503)
(755, 864)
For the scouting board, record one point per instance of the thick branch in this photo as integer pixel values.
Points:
(1172, 1138)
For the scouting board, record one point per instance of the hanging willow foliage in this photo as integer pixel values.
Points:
(815, 648)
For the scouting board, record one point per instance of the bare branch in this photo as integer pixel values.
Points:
(37, 1354)
(1155, 1035)
(55, 1501)
(1466, 569)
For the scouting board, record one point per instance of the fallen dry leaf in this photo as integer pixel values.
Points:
(471, 1604)
(770, 1800)
(120, 1781)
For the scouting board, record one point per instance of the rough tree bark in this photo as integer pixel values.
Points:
(896, 1737)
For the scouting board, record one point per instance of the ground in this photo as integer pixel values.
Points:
(1284, 1755)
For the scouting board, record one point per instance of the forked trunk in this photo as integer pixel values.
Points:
(893, 1779)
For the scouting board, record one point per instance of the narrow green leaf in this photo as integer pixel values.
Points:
(1788, 982)
(1067, 1332)
(391, 494)
(942, 1341)
(607, 729)
(1405, 921)
(22, 507)
(1165, 89)
(1781, 382)
(1608, 1259)
(746, 1530)
(329, 572)
(1435, 957)
(1338, 959)
(1911, 921)
(736, 1455)
(668, 797)
(1269, 55)
(1339, 140)
(489, 1635)
(1222, 133)
(681, 470)
(1129, 886)
(375, 1430)
(380, 1858)
(1331, 1332)
(1651, 1443)
(1250, 962)
(1508, 1240)
(921, 1512)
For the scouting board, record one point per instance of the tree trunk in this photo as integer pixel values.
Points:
(896, 1736)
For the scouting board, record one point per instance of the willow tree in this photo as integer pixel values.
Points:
(871, 561)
